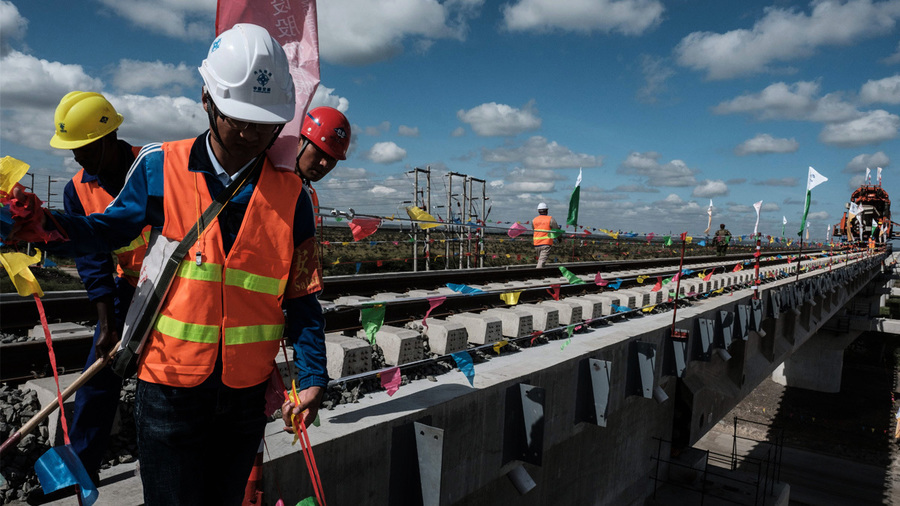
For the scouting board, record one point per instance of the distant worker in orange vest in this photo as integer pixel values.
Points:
(87, 124)
(543, 224)
(325, 138)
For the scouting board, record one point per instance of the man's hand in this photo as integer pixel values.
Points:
(109, 336)
(310, 399)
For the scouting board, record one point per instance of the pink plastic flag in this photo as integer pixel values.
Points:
(293, 24)
(364, 227)
(599, 281)
(554, 291)
(390, 380)
(515, 230)
(432, 303)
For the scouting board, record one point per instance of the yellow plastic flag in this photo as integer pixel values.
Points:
(500, 344)
(511, 298)
(641, 279)
(688, 239)
(16, 265)
(648, 309)
(420, 215)
(336, 262)
(11, 171)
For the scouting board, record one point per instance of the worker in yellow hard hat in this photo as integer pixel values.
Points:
(86, 123)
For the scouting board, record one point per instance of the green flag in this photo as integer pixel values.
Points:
(573, 279)
(667, 240)
(812, 180)
(372, 318)
(572, 219)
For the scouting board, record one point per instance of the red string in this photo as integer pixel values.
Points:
(62, 413)
(306, 446)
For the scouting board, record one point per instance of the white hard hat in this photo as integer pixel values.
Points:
(247, 76)
(542, 206)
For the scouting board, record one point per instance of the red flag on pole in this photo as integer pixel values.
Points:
(293, 24)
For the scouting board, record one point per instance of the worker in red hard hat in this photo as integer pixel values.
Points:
(325, 139)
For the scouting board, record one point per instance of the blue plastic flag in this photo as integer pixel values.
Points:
(464, 362)
(701, 243)
(616, 285)
(358, 265)
(463, 288)
(60, 468)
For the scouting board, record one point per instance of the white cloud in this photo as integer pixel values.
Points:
(894, 58)
(817, 216)
(458, 132)
(675, 173)
(710, 188)
(859, 163)
(386, 152)
(765, 143)
(493, 119)
(784, 35)
(885, 90)
(324, 97)
(797, 101)
(629, 17)
(635, 188)
(29, 82)
(12, 26)
(375, 131)
(407, 131)
(382, 191)
(538, 153)
(174, 18)
(131, 76)
(656, 72)
(788, 182)
(872, 128)
(159, 118)
(359, 32)
(530, 187)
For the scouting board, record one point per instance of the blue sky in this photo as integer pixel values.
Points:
(664, 105)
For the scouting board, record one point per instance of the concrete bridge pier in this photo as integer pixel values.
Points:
(818, 364)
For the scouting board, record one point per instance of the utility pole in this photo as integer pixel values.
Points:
(481, 230)
(428, 230)
(415, 247)
(462, 227)
(449, 219)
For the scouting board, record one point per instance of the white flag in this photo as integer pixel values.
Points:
(868, 176)
(757, 206)
(784, 220)
(814, 179)
(854, 210)
(879, 176)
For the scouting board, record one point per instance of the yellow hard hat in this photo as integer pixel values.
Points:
(81, 118)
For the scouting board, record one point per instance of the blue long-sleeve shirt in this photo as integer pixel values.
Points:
(140, 203)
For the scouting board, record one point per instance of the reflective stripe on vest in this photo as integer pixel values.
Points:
(236, 298)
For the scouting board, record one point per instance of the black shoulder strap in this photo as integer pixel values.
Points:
(213, 210)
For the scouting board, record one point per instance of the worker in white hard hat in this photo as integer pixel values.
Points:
(207, 360)
(545, 229)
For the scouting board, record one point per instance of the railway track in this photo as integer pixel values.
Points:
(25, 360)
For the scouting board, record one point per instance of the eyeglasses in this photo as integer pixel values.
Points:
(244, 125)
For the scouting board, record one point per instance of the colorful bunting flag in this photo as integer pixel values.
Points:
(511, 298)
(16, 266)
(59, 467)
(573, 279)
(372, 318)
(364, 227)
(433, 302)
(516, 230)
(554, 291)
(390, 380)
(464, 362)
(419, 215)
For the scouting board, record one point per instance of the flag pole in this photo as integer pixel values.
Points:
(799, 257)
(678, 289)
(756, 277)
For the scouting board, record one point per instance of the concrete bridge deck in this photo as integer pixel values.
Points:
(575, 424)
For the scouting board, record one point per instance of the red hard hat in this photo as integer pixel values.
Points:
(328, 129)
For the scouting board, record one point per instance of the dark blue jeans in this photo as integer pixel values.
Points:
(96, 402)
(197, 444)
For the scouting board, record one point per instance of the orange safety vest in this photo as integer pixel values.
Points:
(541, 225)
(315, 203)
(236, 299)
(94, 199)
